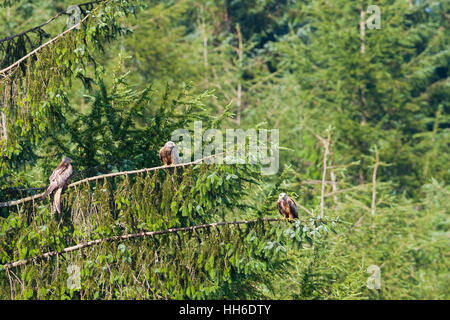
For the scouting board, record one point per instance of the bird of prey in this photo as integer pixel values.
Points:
(169, 154)
(287, 206)
(58, 180)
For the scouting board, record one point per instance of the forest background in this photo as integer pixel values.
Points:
(363, 117)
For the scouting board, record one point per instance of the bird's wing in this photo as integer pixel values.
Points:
(55, 174)
(64, 176)
(293, 207)
(162, 155)
(175, 156)
(280, 207)
(53, 185)
(58, 179)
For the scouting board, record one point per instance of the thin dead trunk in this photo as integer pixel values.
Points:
(239, 86)
(205, 51)
(374, 181)
(4, 135)
(326, 145)
(433, 151)
(362, 30)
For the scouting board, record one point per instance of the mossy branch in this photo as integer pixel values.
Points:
(108, 175)
(134, 235)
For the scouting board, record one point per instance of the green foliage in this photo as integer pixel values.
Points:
(295, 66)
(407, 241)
(33, 97)
(374, 97)
(219, 262)
(125, 128)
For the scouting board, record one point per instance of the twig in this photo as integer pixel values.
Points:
(315, 181)
(305, 209)
(345, 190)
(82, 245)
(326, 144)
(205, 50)
(11, 189)
(432, 153)
(3, 126)
(322, 193)
(362, 30)
(374, 181)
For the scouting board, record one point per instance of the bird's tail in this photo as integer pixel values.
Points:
(57, 200)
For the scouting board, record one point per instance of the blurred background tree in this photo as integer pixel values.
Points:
(308, 68)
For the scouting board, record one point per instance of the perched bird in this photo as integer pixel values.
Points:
(169, 154)
(287, 206)
(58, 180)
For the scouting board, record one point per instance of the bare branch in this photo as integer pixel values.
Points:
(3, 126)
(374, 181)
(361, 186)
(316, 181)
(326, 144)
(305, 209)
(108, 175)
(205, 49)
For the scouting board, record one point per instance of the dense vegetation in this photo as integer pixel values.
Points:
(363, 119)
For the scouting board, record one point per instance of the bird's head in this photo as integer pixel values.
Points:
(67, 160)
(282, 196)
(170, 144)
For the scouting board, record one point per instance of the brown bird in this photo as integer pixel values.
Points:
(287, 206)
(169, 154)
(58, 180)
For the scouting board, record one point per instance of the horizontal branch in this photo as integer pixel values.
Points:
(108, 175)
(361, 186)
(131, 236)
(16, 202)
(33, 29)
(9, 190)
(305, 209)
(308, 182)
